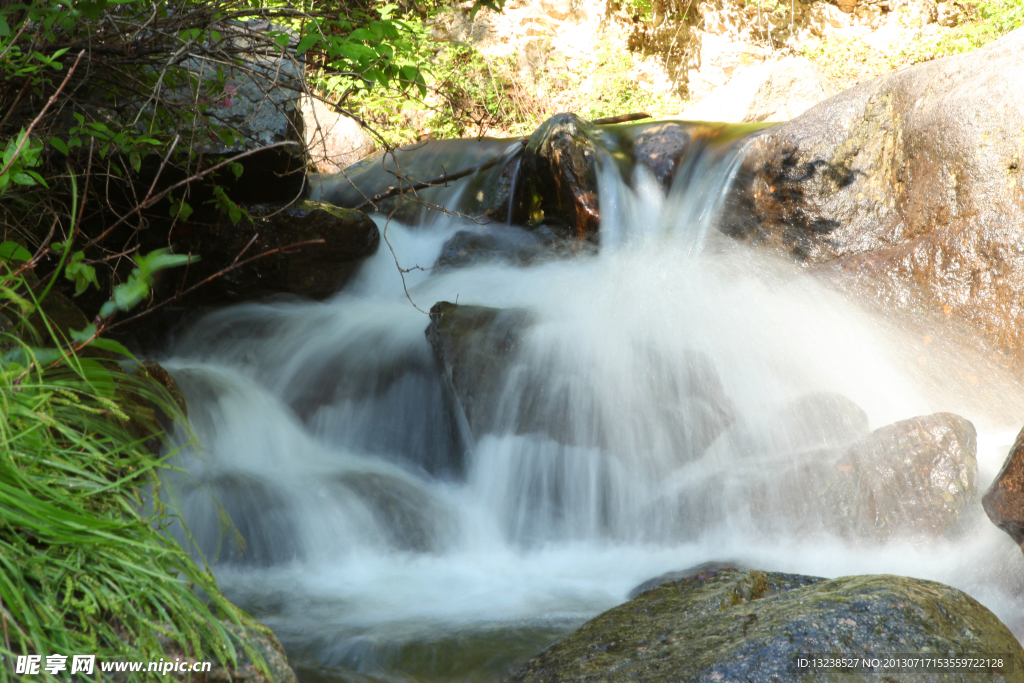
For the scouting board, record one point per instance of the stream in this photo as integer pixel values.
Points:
(381, 544)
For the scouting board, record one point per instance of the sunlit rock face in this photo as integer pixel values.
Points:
(745, 625)
(910, 183)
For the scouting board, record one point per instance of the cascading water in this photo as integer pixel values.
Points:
(645, 424)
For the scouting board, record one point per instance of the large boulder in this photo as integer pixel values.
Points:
(1004, 500)
(343, 239)
(333, 141)
(745, 625)
(767, 92)
(909, 186)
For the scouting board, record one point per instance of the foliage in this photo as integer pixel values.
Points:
(85, 564)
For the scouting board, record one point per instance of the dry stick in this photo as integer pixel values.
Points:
(36, 120)
(441, 181)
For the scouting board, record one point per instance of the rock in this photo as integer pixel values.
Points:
(511, 245)
(561, 157)
(660, 147)
(263, 532)
(745, 625)
(670, 577)
(864, 189)
(258, 100)
(474, 347)
(916, 476)
(260, 639)
(488, 193)
(821, 421)
(768, 92)
(314, 271)
(1004, 500)
(411, 518)
(333, 140)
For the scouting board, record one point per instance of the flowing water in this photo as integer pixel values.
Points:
(380, 544)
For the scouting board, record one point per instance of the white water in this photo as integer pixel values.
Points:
(325, 435)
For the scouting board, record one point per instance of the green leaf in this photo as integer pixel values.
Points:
(112, 346)
(59, 145)
(282, 40)
(80, 273)
(307, 42)
(12, 251)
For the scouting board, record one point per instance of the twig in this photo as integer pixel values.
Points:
(37, 119)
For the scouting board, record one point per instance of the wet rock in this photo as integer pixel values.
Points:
(671, 577)
(315, 270)
(909, 186)
(745, 625)
(474, 347)
(916, 476)
(412, 519)
(511, 245)
(1004, 500)
(561, 157)
(660, 147)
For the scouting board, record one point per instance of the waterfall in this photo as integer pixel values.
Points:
(661, 407)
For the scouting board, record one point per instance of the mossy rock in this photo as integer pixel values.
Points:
(751, 626)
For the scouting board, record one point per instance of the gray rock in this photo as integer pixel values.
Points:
(333, 140)
(745, 625)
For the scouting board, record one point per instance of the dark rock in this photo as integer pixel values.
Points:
(909, 187)
(670, 577)
(561, 157)
(511, 245)
(744, 625)
(915, 476)
(1004, 500)
(660, 147)
(315, 270)
(474, 346)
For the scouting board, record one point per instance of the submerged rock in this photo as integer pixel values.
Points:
(510, 245)
(910, 183)
(315, 270)
(474, 346)
(1004, 500)
(914, 477)
(745, 625)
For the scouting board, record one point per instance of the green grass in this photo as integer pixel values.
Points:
(86, 565)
